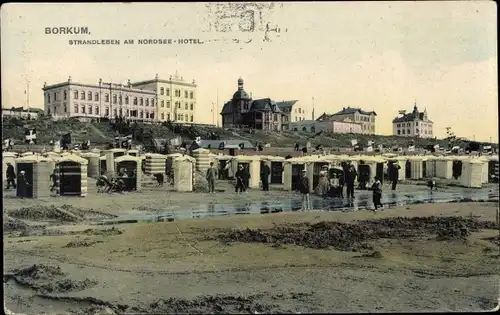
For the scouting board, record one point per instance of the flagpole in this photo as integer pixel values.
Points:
(217, 107)
(28, 95)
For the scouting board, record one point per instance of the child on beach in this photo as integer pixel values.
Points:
(377, 193)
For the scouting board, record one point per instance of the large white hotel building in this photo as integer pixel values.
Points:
(151, 100)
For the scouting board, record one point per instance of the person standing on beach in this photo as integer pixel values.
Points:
(240, 179)
(23, 184)
(304, 190)
(211, 176)
(377, 193)
(350, 177)
(395, 175)
(264, 176)
(11, 176)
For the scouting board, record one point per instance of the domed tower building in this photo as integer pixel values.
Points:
(242, 111)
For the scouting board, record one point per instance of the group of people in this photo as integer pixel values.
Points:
(334, 186)
(21, 184)
(242, 177)
(119, 183)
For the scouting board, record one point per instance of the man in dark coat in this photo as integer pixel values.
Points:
(350, 178)
(304, 190)
(23, 184)
(11, 176)
(264, 176)
(394, 176)
(247, 176)
(241, 179)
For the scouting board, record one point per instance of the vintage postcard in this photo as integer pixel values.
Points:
(250, 157)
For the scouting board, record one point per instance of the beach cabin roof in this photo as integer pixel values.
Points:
(493, 158)
(389, 155)
(73, 158)
(27, 153)
(274, 158)
(9, 155)
(246, 157)
(223, 157)
(115, 150)
(128, 158)
(201, 150)
(172, 155)
(90, 154)
(156, 155)
(32, 158)
(185, 158)
(296, 160)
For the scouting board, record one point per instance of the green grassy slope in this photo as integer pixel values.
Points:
(102, 133)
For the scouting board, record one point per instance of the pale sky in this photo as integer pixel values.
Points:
(378, 56)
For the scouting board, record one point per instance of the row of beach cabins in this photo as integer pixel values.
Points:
(74, 168)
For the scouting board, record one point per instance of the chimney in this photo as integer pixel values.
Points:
(100, 81)
(69, 79)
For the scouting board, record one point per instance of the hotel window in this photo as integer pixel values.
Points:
(48, 98)
(96, 96)
(90, 110)
(399, 132)
(186, 117)
(90, 96)
(147, 102)
(65, 108)
(191, 106)
(408, 131)
(403, 131)
(82, 95)
(75, 107)
(135, 100)
(128, 113)
(65, 94)
(141, 101)
(97, 110)
(121, 113)
(107, 112)
(76, 95)
(83, 109)
(106, 98)
(120, 100)
(126, 99)
(162, 91)
(191, 95)
(162, 116)
(168, 104)
(186, 106)
(168, 92)
(168, 116)
(115, 113)
(186, 95)
(191, 119)
(162, 104)
(153, 102)
(114, 98)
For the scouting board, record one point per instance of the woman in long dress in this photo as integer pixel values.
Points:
(324, 183)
